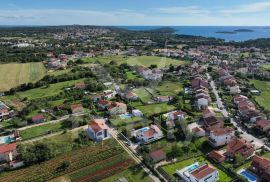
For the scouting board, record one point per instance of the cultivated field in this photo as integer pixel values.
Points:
(161, 62)
(93, 163)
(14, 74)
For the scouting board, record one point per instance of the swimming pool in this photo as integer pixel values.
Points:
(248, 176)
(192, 167)
(7, 139)
(125, 116)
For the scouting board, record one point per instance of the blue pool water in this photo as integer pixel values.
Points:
(6, 139)
(125, 116)
(192, 167)
(248, 176)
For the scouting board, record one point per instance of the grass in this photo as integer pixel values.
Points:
(161, 62)
(40, 130)
(59, 72)
(123, 122)
(171, 169)
(264, 97)
(41, 92)
(131, 174)
(152, 109)
(15, 74)
(143, 94)
(169, 88)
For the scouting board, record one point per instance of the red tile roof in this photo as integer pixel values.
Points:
(202, 171)
(76, 106)
(263, 123)
(149, 132)
(158, 155)
(217, 156)
(37, 117)
(7, 148)
(240, 146)
(222, 131)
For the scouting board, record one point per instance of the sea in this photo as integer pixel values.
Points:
(227, 33)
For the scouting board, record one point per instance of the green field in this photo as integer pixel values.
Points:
(169, 88)
(52, 90)
(123, 122)
(152, 109)
(171, 169)
(264, 97)
(143, 94)
(15, 74)
(40, 130)
(161, 62)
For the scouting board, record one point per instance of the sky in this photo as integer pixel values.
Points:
(136, 12)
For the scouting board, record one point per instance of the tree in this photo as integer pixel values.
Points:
(64, 165)
(239, 159)
(175, 151)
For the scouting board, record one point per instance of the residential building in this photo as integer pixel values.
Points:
(38, 119)
(8, 152)
(163, 98)
(76, 108)
(208, 113)
(198, 173)
(217, 156)
(241, 147)
(220, 136)
(116, 108)
(198, 131)
(148, 134)
(131, 96)
(263, 125)
(176, 115)
(137, 113)
(261, 167)
(80, 86)
(157, 155)
(103, 104)
(4, 110)
(98, 130)
(211, 123)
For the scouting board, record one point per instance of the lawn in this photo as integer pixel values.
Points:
(41, 92)
(152, 109)
(132, 175)
(169, 88)
(143, 94)
(59, 72)
(123, 122)
(171, 169)
(264, 97)
(40, 130)
(161, 62)
(15, 74)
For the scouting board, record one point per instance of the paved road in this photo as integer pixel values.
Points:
(256, 141)
(132, 153)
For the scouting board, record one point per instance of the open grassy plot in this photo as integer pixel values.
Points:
(171, 169)
(169, 88)
(15, 74)
(264, 97)
(152, 109)
(52, 90)
(122, 122)
(161, 62)
(59, 72)
(40, 130)
(132, 174)
(143, 94)
(92, 163)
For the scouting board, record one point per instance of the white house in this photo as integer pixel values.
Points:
(176, 115)
(137, 113)
(202, 101)
(98, 130)
(221, 136)
(8, 152)
(4, 110)
(117, 108)
(197, 173)
(148, 134)
(234, 89)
